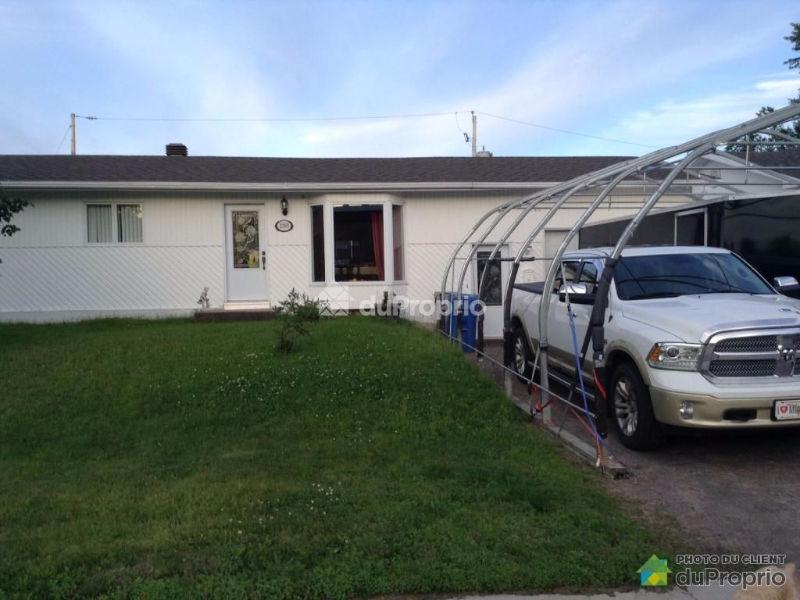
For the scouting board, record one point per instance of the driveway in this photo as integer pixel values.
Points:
(735, 491)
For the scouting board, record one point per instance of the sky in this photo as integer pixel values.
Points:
(646, 73)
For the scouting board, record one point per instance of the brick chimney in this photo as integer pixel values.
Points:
(177, 150)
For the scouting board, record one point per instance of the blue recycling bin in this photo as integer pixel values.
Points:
(453, 309)
(470, 309)
(461, 318)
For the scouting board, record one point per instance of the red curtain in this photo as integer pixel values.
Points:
(377, 241)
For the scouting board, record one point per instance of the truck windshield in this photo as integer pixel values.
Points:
(671, 275)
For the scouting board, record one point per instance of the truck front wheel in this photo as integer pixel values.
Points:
(632, 409)
(522, 357)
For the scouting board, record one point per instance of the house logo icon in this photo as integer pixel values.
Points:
(334, 300)
(654, 572)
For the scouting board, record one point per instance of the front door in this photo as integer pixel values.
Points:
(245, 256)
(493, 288)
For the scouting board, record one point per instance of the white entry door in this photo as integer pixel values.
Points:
(494, 288)
(245, 256)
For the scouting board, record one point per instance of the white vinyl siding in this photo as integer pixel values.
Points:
(99, 226)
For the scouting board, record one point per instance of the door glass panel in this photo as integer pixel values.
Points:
(245, 239)
(492, 292)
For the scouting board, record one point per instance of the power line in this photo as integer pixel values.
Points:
(61, 143)
(357, 118)
(567, 131)
(268, 119)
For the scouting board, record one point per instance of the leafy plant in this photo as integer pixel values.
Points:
(294, 314)
(8, 208)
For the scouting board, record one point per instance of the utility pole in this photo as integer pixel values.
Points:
(72, 131)
(474, 134)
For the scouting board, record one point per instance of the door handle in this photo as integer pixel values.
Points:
(263, 260)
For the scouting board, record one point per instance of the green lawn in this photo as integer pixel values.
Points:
(174, 459)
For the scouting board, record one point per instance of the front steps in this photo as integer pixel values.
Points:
(237, 311)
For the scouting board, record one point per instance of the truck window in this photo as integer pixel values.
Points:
(589, 275)
(671, 275)
(571, 269)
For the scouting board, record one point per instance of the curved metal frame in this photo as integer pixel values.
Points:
(692, 150)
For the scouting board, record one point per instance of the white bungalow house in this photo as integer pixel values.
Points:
(145, 235)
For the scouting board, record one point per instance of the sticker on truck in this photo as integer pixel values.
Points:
(786, 410)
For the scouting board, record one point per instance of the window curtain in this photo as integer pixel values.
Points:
(129, 223)
(377, 241)
(99, 226)
(397, 241)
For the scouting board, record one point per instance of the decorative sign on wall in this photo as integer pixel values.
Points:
(284, 225)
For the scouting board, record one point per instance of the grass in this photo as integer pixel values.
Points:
(174, 459)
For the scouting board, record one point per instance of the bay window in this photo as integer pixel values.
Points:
(317, 244)
(357, 242)
(397, 241)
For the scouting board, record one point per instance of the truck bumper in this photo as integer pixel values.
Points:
(716, 413)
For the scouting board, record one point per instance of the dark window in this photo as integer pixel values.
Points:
(670, 275)
(571, 269)
(589, 275)
(318, 243)
(492, 291)
(766, 233)
(690, 230)
(397, 243)
(358, 243)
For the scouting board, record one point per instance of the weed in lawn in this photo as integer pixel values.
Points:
(294, 315)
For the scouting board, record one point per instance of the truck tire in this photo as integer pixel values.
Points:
(522, 357)
(632, 410)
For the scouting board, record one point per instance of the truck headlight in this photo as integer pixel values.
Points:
(674, 355)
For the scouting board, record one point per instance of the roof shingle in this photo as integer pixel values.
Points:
(218, 169)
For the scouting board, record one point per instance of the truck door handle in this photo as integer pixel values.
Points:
(263, 260)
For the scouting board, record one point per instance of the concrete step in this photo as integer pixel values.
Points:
(231, 314)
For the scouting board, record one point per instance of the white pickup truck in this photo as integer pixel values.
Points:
(695, 337)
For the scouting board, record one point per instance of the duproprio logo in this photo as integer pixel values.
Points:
(654, 572)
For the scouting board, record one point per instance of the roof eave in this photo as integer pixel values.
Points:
(449, 186)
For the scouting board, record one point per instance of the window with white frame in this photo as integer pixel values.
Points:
(358, 243)
(362, 234)
(114, 223)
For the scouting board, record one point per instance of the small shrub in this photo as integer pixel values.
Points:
(294, 314)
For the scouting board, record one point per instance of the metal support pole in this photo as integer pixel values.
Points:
(73, 149)
(474, 134)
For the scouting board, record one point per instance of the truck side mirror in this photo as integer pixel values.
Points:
(784, 281)
(578, 293)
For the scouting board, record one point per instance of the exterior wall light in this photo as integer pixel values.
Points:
(284, 206)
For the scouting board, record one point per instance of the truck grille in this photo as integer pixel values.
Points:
(751, 356)
(742, 368)
(758, 343)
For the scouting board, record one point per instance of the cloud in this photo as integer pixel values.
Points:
(581, 74)
(672, 122)
(576, 66)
